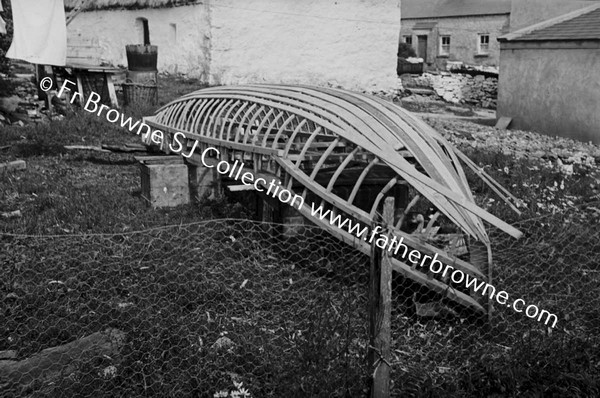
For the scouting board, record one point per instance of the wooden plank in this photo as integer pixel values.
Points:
(301, 134)
(503, 122)
(238, 188)
(307, 145)
(112, 94)
(381, 311)
(381, 194)
(341, 168)
(400, 266)
(361, 178)
(291, 138)
(12, 166)
(196, 160)
(217, 142)
(280, 130)
(365, 217)
(159, 159)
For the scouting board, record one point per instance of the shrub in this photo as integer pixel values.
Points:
(6, 39)
(405, 50)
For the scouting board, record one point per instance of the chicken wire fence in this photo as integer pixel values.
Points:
(233, 308)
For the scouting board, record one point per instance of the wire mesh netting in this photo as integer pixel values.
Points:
(190, 310)
(241, 308)
(556, 267)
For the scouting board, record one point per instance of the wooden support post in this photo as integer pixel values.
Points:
(218, 191)
(480, 257)
(380, 311)
(193, 183)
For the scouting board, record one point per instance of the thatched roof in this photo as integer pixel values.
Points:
(413, 9)
(127, 4)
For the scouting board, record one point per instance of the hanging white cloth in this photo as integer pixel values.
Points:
(2, 23)
(40, 32)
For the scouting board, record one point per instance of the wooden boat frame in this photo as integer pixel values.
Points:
(305, 138)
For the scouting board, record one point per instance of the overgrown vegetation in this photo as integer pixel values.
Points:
(5, 40)
(292, 309)
(405, 50)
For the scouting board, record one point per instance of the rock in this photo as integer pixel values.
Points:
(51, 363)
(8, 354)
(13, 166)
(222, 343)
(9, 104)
(108, 372)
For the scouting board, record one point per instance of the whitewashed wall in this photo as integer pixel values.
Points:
(183, 49)
(347, 43)
(350, 43)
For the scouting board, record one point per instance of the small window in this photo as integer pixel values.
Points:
(484, 44)
(173, 33)
(143, 30)
(444, 45)
(408, 40)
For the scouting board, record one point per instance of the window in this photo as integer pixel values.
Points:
(143, 30)
(444, 45)
(408, 39)
(173, 33)
(484, 43)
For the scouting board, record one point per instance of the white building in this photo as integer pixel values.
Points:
(347, 43)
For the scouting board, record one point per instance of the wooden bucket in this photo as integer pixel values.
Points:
(141, 57)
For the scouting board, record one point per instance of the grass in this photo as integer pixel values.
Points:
(176, 291)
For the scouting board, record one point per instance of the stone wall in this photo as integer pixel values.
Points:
(457, 88)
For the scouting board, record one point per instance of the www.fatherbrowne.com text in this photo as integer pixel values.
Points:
(275, 190)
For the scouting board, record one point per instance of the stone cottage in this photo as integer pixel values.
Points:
(450, 30)
(349, 43)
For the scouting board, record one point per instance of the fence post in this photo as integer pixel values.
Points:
(380, 311)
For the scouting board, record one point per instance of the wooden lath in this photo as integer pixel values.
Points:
(77, 8)
(442, 184)
(311, 138)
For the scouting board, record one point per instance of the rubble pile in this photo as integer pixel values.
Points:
(456, 88)
(559, 152)
(23, 106)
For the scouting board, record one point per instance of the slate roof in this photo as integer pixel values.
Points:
(412, 9)
(583, 27)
